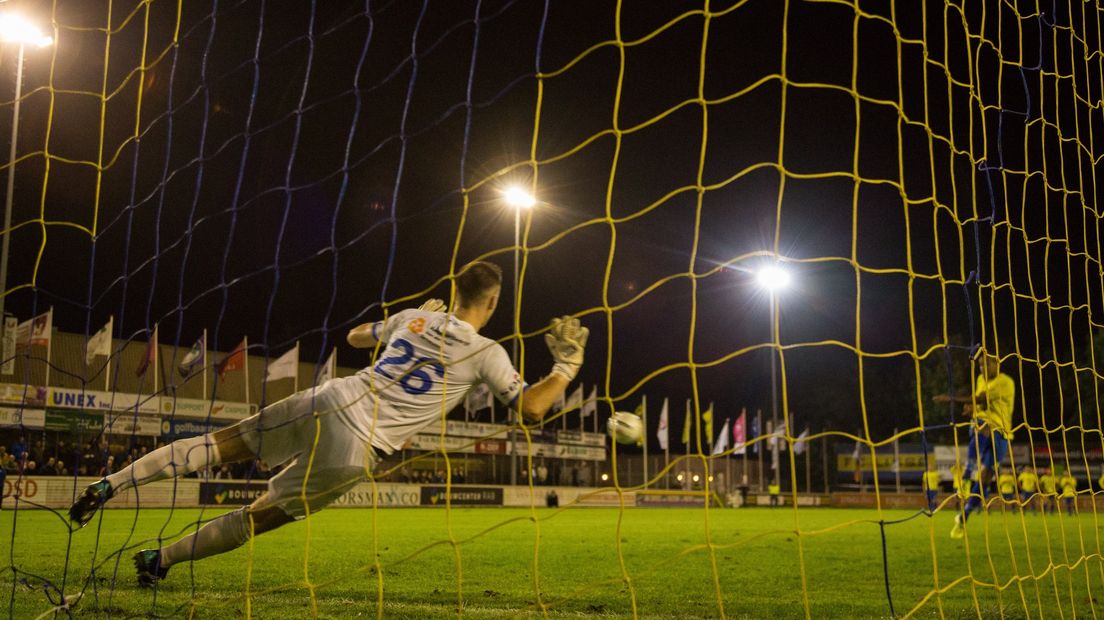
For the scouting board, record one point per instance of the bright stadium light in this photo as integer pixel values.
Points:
(773, 277)
(696, 478)
(519, 198)
(16, 29)
(605, 477)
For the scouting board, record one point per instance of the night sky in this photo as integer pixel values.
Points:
(925, 169)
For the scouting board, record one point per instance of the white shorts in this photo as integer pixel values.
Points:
(323, 457)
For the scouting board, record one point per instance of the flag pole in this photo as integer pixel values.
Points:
(667, 450)
(49, 342)
(295, 369)
(245, 362)
(808, 465)
(824, 450)
(204, 369)
(896, 460)
(761, 448)
(644, 421)
(747, 436)
(110, 352)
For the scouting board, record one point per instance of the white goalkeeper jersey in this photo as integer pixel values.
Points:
(430, 361)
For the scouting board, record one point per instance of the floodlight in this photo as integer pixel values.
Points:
(773, 277)
(519, 198)
(16, 29)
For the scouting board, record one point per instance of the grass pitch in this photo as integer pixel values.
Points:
(498, 562)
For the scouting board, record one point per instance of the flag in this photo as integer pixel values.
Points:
(756, 431)
(35, 332)
(149, 356)
(801, 442)
(478, 398)
(99, 343)
(721, 444)
(196, 356)
(661, 434)
(590, 406)
(687, 421)
(739, 433)
(707, 418)
(285, 367)
(857, 457)
(234, 361)
(575, 401)
(329, 368)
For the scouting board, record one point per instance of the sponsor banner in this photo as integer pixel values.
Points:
(386, 495)
(104, 401)
(73, 421)
(538, 496)
(230, 492)
(58, 492)
(582, 438)
(539, 435)
(491, 446)
(461, 496)
(459, 428)
(606, 498)
(693, 501)
(7, 348)
(127, 424)
(463, 445)
(199, 409)
(18, 393)
(15, 417)
(562, 451)
(189, 428)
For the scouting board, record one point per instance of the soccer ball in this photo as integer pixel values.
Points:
(625, 427)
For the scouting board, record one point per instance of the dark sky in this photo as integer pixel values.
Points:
(299, 164)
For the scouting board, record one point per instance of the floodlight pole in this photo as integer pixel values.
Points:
(5, 244)
(515, 413)
(774, 386)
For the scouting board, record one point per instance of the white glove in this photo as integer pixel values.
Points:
(566, 341)
(433, 305)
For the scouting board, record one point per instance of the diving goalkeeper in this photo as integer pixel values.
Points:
(991, 409)
(331, 436)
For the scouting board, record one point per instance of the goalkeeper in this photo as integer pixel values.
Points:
(991, 407)
(332, 436)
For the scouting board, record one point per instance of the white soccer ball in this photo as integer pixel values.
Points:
(625, 427)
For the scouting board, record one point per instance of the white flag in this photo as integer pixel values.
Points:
(721, 444)
(100, 342)
(575, 401)
(196, 356)
(590, 405)
(329, 368)
(478, 398)
(35, 331)
(661, 433)
(801, 442)
(285, 367)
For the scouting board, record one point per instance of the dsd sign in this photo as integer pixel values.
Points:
(229, 493)
(462, 496)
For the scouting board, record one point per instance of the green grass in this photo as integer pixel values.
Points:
(490, 573)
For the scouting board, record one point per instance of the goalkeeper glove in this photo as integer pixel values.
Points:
(566, 341)
(433, 305)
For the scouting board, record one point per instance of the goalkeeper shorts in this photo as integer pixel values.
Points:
(323, 458)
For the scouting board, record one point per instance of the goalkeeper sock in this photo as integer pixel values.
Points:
(974, 502)
(179, 458)
(223, 534)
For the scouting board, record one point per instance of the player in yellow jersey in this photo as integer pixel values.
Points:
(959, 485)
(1029, 488)
(1048, 488)
(991, 408)
(1006, 485)
(931, 484)
(1068, 484)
